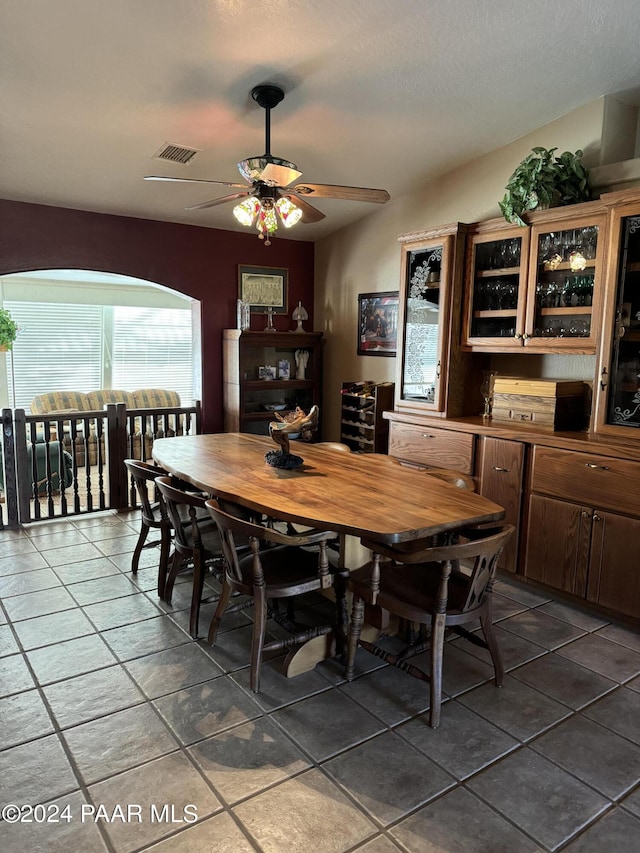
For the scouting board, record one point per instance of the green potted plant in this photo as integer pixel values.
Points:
(543, 180)
(8, 330)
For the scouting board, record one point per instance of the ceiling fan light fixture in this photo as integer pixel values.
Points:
(288, 212)
(246, 211)
(267, 223)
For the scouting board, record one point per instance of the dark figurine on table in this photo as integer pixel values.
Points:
(294, 423)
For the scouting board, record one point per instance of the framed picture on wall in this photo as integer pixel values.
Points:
(378, 323)
(263, 287)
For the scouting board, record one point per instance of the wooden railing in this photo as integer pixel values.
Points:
(57, 466)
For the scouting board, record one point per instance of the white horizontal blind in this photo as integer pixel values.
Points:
(152, 348)
(58, 348)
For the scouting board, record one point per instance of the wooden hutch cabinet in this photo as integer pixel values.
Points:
(567, 284)
(259, 377)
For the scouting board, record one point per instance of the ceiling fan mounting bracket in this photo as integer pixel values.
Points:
(267, 95)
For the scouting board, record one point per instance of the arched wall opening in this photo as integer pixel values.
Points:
(82, 330)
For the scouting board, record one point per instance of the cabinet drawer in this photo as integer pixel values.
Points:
(439, 448)
(586, 478)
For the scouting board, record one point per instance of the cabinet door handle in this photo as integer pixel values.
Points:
(438, 370)
(518, 336)
(526, 337)
(596, 517)
(498, 468)
(599, 467)
(426, 435)
(585, 514)
(604, 381)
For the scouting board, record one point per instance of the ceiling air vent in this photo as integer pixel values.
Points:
(176, 153)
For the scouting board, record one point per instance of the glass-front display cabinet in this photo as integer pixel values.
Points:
(496, 287)
(618, 392)
(564, 286)
(539, 286)
(433, 376)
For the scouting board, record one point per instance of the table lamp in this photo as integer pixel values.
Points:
(299, 314)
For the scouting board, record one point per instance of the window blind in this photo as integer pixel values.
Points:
(69, 347)
(152, 348)
(59, 348)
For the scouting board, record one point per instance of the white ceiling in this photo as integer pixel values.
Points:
(379, 93)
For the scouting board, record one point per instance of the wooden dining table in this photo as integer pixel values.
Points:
(362, 495)
(356, 495)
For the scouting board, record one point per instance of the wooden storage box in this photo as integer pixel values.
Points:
(556, 403)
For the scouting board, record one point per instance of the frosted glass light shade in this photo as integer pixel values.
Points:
(289, 213)
(246, 211)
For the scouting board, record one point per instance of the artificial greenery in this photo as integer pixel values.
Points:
(543, 180)
(8, 329)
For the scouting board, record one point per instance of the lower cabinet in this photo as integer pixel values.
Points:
(614, 578)
(585, 549)
(500, 470)
(558, 544)
(576, 511)
(432, 447)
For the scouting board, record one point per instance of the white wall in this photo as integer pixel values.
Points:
(366, 257)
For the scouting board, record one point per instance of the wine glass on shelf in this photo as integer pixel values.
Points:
(486, 389)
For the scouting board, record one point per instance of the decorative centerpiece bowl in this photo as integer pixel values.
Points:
(283, 429)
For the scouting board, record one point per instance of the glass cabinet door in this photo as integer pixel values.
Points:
(563, 286)
(620, 379)
(425, 311)
(496, 280)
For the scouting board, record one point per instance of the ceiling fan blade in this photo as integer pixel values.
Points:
(215, 201)
(192, 181)
(309, 213)
(346, 193)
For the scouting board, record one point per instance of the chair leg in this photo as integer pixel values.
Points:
(492, 645)
(176, 562)
(342, 617)
(355, 629)
(163, 565)
(144, 532)
(196, 594)
(257, 640)
(223, 603)
(437, 647)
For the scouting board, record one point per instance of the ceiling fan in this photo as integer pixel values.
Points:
(269, 198)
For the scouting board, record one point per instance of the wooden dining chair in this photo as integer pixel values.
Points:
(278, 565)
(153, 515)
(441, 586)
(196, 542)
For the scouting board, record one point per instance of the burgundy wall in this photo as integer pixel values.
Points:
(199, 262)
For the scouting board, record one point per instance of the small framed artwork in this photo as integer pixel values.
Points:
(263, 287)
(267, 371)
(284, 369)
(378, 323)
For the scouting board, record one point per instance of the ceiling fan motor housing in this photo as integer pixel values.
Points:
(267, 95)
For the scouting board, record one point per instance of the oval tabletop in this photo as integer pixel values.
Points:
(365, 495)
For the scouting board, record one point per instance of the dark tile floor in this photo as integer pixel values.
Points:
(108, 708)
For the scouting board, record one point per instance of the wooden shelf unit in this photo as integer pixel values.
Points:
(246, 397)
